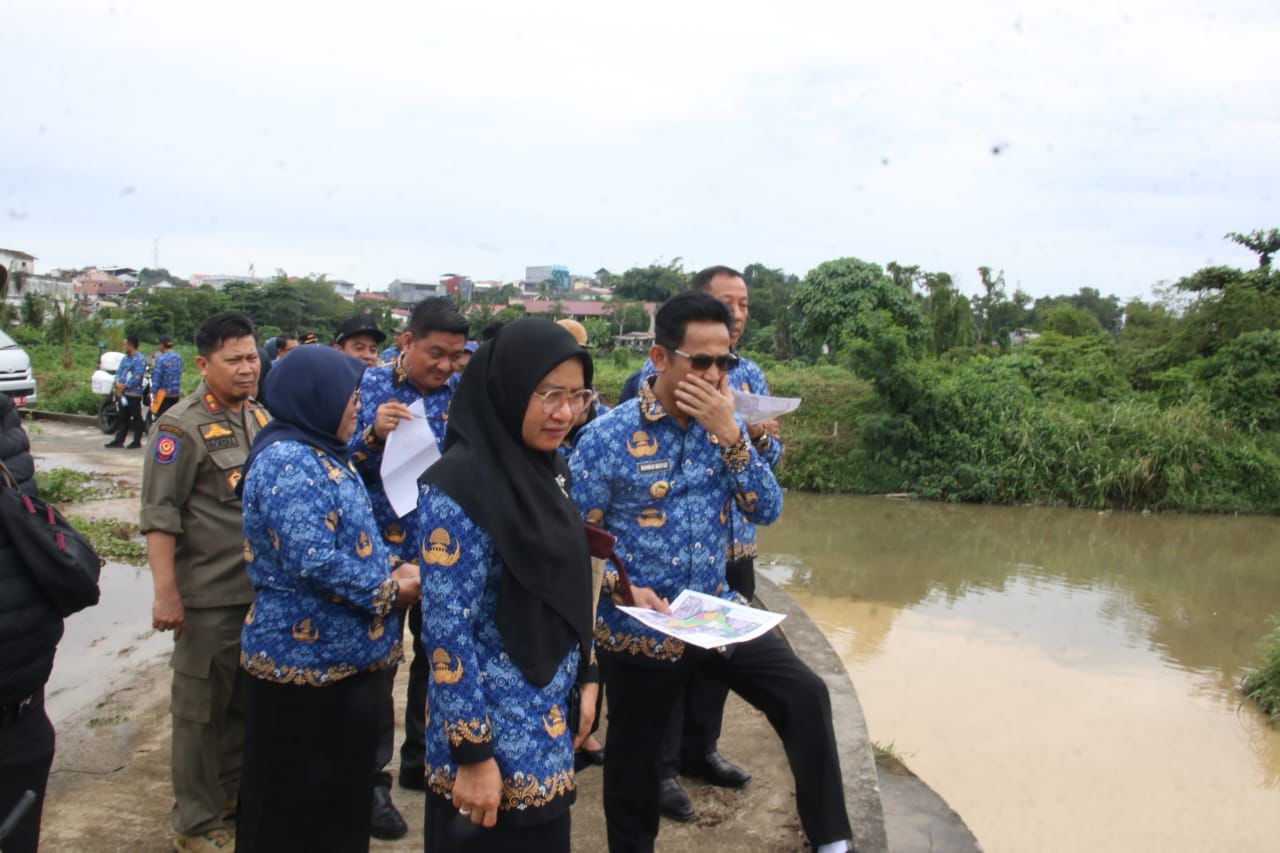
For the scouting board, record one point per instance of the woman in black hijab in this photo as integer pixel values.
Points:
(325, 617)
(507, 600)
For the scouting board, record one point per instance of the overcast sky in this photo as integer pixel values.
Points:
(409, 139)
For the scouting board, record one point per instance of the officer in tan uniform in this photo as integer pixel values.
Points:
(192, 520)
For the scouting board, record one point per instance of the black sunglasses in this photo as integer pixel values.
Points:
(724, 363)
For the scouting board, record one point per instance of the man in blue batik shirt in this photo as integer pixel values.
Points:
(430, 348)
(662, 473)
(166, 377)
(691, 744)
(129, 376)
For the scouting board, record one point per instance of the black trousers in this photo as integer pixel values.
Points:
(308, 754)
(386, 728)
(448, 832)
(413, 752)
(767, 674)
(26, 754)
(699, 714)
(131, 417)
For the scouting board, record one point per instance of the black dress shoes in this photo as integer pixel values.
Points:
(584, 758)
(716, 770)
(386, 823)
(673, 802)
(414, 780)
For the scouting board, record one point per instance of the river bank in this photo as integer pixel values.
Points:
(109, 700)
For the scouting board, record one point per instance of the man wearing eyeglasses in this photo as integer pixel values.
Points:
(662, 473)
(691, 746)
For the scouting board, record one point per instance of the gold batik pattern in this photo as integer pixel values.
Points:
(519, 791)
(384, 597)
(260, 665)
(666, 648)
(468, 731)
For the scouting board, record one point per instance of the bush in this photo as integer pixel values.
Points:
(1243, 379)
(1263, 684)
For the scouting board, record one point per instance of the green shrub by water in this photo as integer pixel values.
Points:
(1263, 684)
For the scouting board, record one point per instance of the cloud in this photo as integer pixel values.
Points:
(401, 139)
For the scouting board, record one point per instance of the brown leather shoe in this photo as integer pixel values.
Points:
(213, 841)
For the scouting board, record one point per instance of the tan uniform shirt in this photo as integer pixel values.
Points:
(193, 464)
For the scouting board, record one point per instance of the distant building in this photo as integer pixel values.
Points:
(122, 273)
(371, 296)
(1018, 337)
(17, 263)
(345, 289)
(580, 309)
(458, 286)
(95, 285)
(217, 282)
(558, 275)
(413, 292)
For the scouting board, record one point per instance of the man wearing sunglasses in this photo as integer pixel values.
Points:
(691, 746)
(662, 473)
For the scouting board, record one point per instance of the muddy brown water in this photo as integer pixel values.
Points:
(1065, 679)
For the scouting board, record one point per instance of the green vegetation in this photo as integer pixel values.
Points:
(65, 486)
(113, 539)
(890, 758)
(909, 385)
(1263, 684)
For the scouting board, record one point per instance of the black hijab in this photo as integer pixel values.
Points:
(309, 391)
(511, 491)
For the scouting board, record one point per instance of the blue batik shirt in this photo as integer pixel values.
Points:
(324, 602)
(668, 494)
(390, 355)
(166, 375)
(130, 372)
(747, 376)
(480, 705)
(377, 386)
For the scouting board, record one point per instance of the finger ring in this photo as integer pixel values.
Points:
(464, 812)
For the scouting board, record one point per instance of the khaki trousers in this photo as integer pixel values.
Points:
(208, 705)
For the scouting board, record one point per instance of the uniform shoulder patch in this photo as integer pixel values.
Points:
(166, 448)
(173, 429)
(260, 416)
(211, 404)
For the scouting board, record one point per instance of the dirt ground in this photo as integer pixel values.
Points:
(109, 789)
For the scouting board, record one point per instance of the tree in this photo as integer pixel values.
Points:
(949, 313)
(837, 298)
(627, 317)
(62, 328)
(33, 308)
(654, 283)
(1263, 243)
(1070, 321)
(772, 309)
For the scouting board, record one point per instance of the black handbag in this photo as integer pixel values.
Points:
(58, 558)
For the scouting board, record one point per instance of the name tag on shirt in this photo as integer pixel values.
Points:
(653, 466)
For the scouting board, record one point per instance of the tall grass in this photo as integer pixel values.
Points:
(1263, 684)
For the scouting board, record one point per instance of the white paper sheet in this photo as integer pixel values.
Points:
(706, 621)
(411, 449)
(755, 408)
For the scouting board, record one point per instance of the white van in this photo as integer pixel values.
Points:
(16, 378)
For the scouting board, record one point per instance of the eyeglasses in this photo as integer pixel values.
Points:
(555, 398)
(703, 361)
